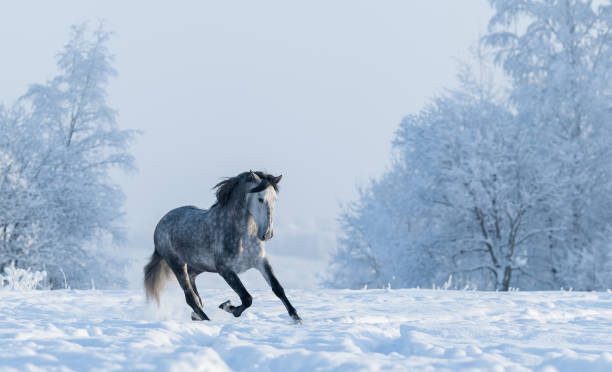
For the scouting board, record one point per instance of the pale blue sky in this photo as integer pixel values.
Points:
(312, 90)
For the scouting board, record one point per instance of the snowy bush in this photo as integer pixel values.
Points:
(17, 279)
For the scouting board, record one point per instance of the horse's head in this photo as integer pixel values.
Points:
(260, 202)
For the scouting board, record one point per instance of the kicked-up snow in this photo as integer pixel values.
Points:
(343, 330)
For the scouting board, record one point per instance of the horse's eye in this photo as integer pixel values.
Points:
(261, 200)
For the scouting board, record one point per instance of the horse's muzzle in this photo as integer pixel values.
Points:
(268, 235)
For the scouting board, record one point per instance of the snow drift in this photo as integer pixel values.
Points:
(343, 330)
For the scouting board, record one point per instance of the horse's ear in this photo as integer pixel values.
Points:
(255, 176)
(276, 180)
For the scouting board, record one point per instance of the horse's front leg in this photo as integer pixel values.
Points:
(233, 280)
(266, 270)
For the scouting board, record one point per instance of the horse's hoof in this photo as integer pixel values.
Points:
(297, 319)
(196, 317)
(227, 306)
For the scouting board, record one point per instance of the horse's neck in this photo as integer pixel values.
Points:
(235, 217)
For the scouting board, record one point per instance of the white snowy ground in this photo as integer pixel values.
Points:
(369, 330)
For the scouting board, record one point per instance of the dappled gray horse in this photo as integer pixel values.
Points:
(228, 239)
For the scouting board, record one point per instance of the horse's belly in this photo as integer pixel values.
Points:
(203, 259)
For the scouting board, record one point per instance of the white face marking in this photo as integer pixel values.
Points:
(261, 207)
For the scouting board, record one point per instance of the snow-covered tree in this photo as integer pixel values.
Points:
(513, 191)
(463, 199)
(559, 57)
(377, 247)
(57, 147)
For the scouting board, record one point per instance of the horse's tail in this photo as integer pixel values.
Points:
(156, 274)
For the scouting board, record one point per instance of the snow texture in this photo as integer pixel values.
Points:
(410, 329)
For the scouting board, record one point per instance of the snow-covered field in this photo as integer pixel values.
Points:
(369, 330)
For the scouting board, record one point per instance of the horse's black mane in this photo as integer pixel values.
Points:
(228, 185)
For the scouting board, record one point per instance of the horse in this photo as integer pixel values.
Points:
(228, 239)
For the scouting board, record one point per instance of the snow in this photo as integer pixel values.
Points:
(409, 329)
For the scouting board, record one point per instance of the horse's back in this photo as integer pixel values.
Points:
(176, 217)
(180, 236)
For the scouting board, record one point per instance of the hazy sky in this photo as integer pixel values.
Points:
(312, 90)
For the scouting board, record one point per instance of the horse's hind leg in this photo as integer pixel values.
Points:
(234, 281)
(192, 277)
(191, 296)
